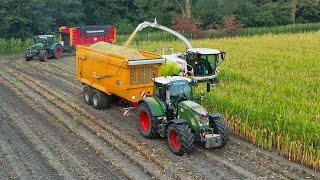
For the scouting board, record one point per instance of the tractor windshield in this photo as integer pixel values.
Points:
(180, 89)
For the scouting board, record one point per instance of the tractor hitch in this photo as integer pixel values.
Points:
(212, 140)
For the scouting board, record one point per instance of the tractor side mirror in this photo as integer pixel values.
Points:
(223, 54)
(208, 86)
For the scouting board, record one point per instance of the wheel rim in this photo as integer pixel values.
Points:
(95, 101)
(174, 140)
(58, 52)
(144, 121)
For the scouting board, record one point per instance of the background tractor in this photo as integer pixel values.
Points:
(43, 48)
(172, 112)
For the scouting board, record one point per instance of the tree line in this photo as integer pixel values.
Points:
(24, 18)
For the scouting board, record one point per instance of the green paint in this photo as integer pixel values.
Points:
(154, 106)
(170, 69)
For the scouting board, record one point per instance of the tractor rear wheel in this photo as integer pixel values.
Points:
(221, 128)
(43, 55)
(101, 100)
(87, 94)
(147, 123)
(180, 139)
(57, 52)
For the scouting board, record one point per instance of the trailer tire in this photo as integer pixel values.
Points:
(221, 128)
(87, 95)
(180, 139)
(101, 100)
(147, 124)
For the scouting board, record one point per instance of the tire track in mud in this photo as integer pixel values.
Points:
(137, 148)
(74, 153)
(10, 156)
(248, 159)
(107, 152)
(219, 166)
(27, 154)
(37, 142)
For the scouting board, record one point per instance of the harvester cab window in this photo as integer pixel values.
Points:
(203, 66)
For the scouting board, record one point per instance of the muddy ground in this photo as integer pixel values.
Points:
(48, 132)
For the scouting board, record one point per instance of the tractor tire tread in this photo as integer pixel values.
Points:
(222, 129)
(103, 100)
(186, 138)
(154, 123)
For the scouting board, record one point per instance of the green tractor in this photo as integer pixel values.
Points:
(172, 112)
(43, 48)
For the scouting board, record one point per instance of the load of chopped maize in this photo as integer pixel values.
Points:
(117, 50)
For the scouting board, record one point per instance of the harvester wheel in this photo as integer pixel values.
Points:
(43, 55)
(147, 123)
(87, 95)
(101, 100)
(221, 128)
(180, 139)
(57, 51)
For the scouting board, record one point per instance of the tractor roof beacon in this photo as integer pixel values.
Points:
(172, 112)
(201, 64)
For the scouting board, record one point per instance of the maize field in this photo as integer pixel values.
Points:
(269, 90)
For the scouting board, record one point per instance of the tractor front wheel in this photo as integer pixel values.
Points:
(101, 100)
(180, 139)
(57, 52)
(147, 123)
(43, 55)
(221, 128)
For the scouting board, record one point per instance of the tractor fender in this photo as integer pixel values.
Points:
(154, 106)
(54, 45)
(177, 121)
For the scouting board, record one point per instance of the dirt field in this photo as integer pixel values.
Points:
(48, 132)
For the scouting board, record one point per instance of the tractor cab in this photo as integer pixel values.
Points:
(204, 62)
(172, 89)
(46, 40)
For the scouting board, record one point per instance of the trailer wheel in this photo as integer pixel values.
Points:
(87, 95)
(101, 100)
(180, 139)
(43, 55)
(221, 128)
(147, 124)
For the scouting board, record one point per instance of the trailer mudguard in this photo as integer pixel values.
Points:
(154, 106)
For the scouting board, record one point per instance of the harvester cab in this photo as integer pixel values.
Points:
(172, 112)
(43, 48)
(201, 64)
